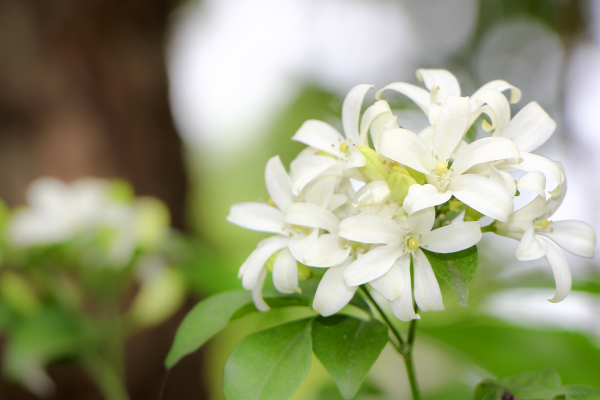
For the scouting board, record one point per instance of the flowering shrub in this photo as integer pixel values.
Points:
(387, 210)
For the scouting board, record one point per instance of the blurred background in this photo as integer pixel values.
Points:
(187, 100)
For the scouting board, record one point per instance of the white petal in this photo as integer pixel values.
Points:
(426, 136)
(391, 284)
(501, 86)
(333, 293)
(257, 297)
(440, 79)
(313, 216)
(484, 195)
(534, 181)
(452, 238)
(522, 218)
(407, 148)
(380, 112)
(337, 200)
(278, 183)
(531, 246)
(355, 160)
(403, 307)
(484, 150)
(304, 169)
(576, 237)
(320, 190)
(328, 250)
(257, 217)
(421, 221)
(285, 272)
(421, 197)
(365, 228)
(427, 289)
(320, 135)
(561, 271)
(558, 194)
(418, 95)
(450, 126)
(503, 179)
(372, 264)
(530, 128)
(372, 194)
(351, 111)
(497, 109)
(533, 162)
(250, 270)
(299, 243)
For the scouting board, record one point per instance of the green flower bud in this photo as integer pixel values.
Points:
(120, 191)
(472, 215)
(399, 181)
(419, 177)
(375, 170)
(304, 272)
(152, 222)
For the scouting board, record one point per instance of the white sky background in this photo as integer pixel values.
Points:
(235, 64)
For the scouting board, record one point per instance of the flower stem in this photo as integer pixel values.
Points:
(408, 360)
(394, 330)
(402, 347)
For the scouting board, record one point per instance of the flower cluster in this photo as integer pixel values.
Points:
(420, 191)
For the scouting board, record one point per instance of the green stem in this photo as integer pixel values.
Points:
(107, 379)
(408, 360)
(394, 330)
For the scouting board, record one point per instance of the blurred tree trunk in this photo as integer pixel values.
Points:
(84, 92)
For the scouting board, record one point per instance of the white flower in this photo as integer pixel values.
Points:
(61, 212)
(290, 241)
(440, 85)
(58, 212)
(332, 153)
(387, 267)
(537, 235)
(480, 193)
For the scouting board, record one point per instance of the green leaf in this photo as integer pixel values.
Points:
(204, 321)
(582, 392)
(270, 364)
(273, 302)
(347, 347)
(457, 269)
(542, 385)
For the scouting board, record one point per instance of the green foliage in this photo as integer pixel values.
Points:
(457, 269)
(347, 347)
(270, 364)
(542, 385)
(203, 321)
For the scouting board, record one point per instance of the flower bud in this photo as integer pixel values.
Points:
(399, 181)
(472, 215)
(375, 170)
(304, 272)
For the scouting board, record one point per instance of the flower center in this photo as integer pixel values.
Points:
(544, 223)
(344, 147)
(413, 243)
(441, 167)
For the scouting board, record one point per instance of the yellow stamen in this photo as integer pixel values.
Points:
(271, 202)
(544, 223)
(413, 243)
(344, 147)
(441, 167)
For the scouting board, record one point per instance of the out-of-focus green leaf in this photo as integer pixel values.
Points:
(158, 298)
(457, 269)
(47, 336)
(504, 349)
(206, 319)
(270, 364)
(18, 293)
(348, 347)
(331, 392)
(542, 385)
